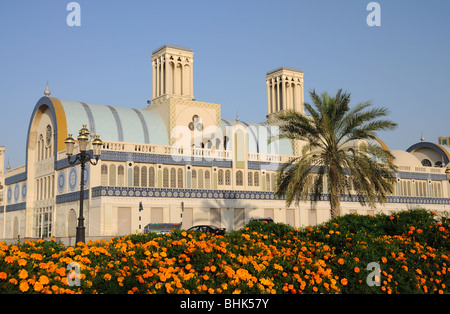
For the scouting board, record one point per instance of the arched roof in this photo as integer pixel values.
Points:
(118, 124)
(404, 158)
(258, 135)
(441, 150)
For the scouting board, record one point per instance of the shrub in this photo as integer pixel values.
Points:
(411, 248)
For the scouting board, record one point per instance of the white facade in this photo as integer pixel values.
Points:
(179, 150)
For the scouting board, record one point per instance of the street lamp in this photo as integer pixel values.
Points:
(83, 157)
(447, 173)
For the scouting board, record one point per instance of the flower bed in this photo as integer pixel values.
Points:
(411, 248)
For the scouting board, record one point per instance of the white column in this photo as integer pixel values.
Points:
(283, 88)
(163, 75)
(268, 96)
(272, 104)
(191, 68)
(157, 77)
(153, 79)
(277, 107)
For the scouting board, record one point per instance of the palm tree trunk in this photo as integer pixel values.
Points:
(335, 191)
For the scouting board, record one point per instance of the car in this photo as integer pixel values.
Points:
(208, 228)
(267, 220)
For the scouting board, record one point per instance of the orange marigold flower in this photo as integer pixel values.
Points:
(107, 277)
(384, 259)
(24, 286)
(23, 274)
(43, 280)
(341, 261)
(344, 281)
(38, 286)
(22, 262)
(356, 269)
(3, 275)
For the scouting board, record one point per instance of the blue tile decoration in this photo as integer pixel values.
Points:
(165, 159)
(16, 192)
(16, 207)
(61, 181)
(16, 178)
(102, 191)
(73, 178)
(9, 194)
(24, 191)
(432, 146)
(71, 197)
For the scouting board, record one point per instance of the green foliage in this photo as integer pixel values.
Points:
(328, 132)
(411, 247)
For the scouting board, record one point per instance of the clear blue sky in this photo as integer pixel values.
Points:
(403, 65)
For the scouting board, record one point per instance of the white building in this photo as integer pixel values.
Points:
(179, 150)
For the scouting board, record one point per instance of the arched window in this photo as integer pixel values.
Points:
(104, 176)
(166, 178)
(200, 179)
(136, 176)
(173, 178)
(121, 175)
(194, 179)
(207, 179)
(112, 175)
(239, 178)
(250, 178)
(39, 150)
(37, 190)
(220, 177)
(180, 178)
(225, 142)
(256, 178)
(151, 177)
(144, 176)
(228, 177)
(426, 163)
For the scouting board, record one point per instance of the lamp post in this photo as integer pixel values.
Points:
(447, 173)
(83, 157)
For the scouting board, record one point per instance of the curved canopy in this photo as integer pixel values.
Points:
(118, 124)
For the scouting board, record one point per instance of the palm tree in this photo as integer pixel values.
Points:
(328, 133)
